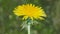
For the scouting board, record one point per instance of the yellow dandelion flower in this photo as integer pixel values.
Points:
(29, 10)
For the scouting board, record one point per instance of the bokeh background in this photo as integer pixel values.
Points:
(10, 24)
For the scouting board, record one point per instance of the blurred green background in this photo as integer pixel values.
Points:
(10, 24)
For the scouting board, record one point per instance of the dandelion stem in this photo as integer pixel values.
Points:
(28, 28)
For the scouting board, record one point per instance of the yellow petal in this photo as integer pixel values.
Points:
(41, 18)
(25, 17)
(31, 18)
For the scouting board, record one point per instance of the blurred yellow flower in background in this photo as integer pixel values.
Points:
(29, 10)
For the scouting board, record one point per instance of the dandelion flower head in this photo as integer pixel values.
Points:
(29, 10)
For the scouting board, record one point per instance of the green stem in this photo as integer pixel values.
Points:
(28, 28)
